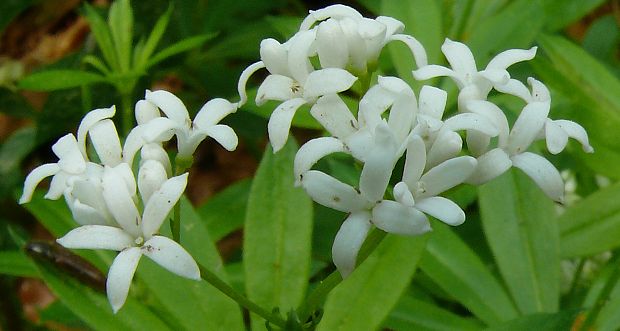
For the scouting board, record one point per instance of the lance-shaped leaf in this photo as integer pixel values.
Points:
(51, 80)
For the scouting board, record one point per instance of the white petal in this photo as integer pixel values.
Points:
(133, 143)
(555, 137)
(120, 276)
(274, 56)
(477, 142)
(330, 192)
(528, 125)
(90, 119)
(509, 57)
(516, 88)
(298, 62)
(161, 129)
(379, 164)
(224, 135)
(334, 116)
(393, 217)
(170, 104)
(542, 172)
(243, 80)
(392, 25)
(490, 165)
(433, 101)
(442, 209)
(276, 87)
(314, 150)
(402, 115)
(460, 57)
(471, 121)
(151, 176)
(86, 215)
(415, 161)
(577, 132)
(70, 159)
(146, 111)
(349, 240)
(170, 255)
(97, 237)
(360, 143)
(493, 113)
(335, 11)
(327, 81)
(416, 48)
(120, 201)
(447, 145)
(540, 92)
(105, 141)
(157, 153)
(373, 33)
(35, 177)
(373, 104)
(58, 185)
(331, 45)
(447, 175)
(280, 122)
(403, 195)
(213, 112)
(432, 71)
(495, 76)
(161, 202)
(355, 44)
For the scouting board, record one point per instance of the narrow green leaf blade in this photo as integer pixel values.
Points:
(120, 21)
(450, 263)
(179, 47)
(277, 237)
(592, 225)
(560, 14)
(366, 297)
(520, 226)
(562, 320)
(154, 38)
(102, 34)
(225, 212)
(16, 263)
(51, 80)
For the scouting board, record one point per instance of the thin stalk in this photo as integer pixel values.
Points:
(219, 284)
(126, 113)
(318, 295)
(576, 277)
(175, 223)
(603, 297)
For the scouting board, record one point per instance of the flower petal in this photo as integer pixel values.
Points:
(542, 172)
(432, 71)
(58, 185)
(328, 35)
(224, 135)
(97, 237)
(349, 240)
(105, 141)
(243, 80)
(170, 255)
(416, 48)
(493, 113)
(415, 161)
(528, 125)
(447, 175)
(403, 195)
(509, 57)
(460, 58)
(274, 57)
(90, 119)
(161, 129)
(471, 121)
(70, 159)
(133, 143)
(490, 165)
(35, 177)
(120, 275)
(280, 122)
(442, 209)
(330, 192)
(555, 137)
(151, 176)
(379, 164)
(120, 202)
(84, 214)
(447, 145)
(516, 88)
(170, 105)
(433, 101)
(161, 202)
(299, 50)
(314, 150)
(213, 112)
(156, 152)
(334, 116)
(146, 111)
(393, 217)
(327, 81)
(276, 87)
(335, 11)
(577, 132)
(360, 143)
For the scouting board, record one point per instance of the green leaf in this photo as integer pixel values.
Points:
(278, 230)
(594, 94)
(103, 37)
(194, 304)
(16, 148)
(225, 212)
(520, 226)
(506, 29)
(93, 307)
(414, 314)
(561, 14)
(16, 263)
(120, 21)
(469, 14)
(51, 80)
(562, 320)
(366, 297)
(14, 104)
(153, 40)
(179, 47)
(592, 225)
(452, 265)
(423, 20)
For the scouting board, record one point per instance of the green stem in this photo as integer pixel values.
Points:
(318, 295)
(175, 223)
(603, 296)
(126, 113)
(219, 284)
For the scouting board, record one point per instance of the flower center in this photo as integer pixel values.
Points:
(139, 241)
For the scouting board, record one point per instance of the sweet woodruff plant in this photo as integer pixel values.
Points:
(121, 196)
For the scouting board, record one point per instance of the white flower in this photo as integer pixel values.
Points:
(156, 129)
(135, 234)
(72, 158)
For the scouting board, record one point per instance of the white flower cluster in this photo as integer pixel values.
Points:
(334, 48)
(117, 209)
